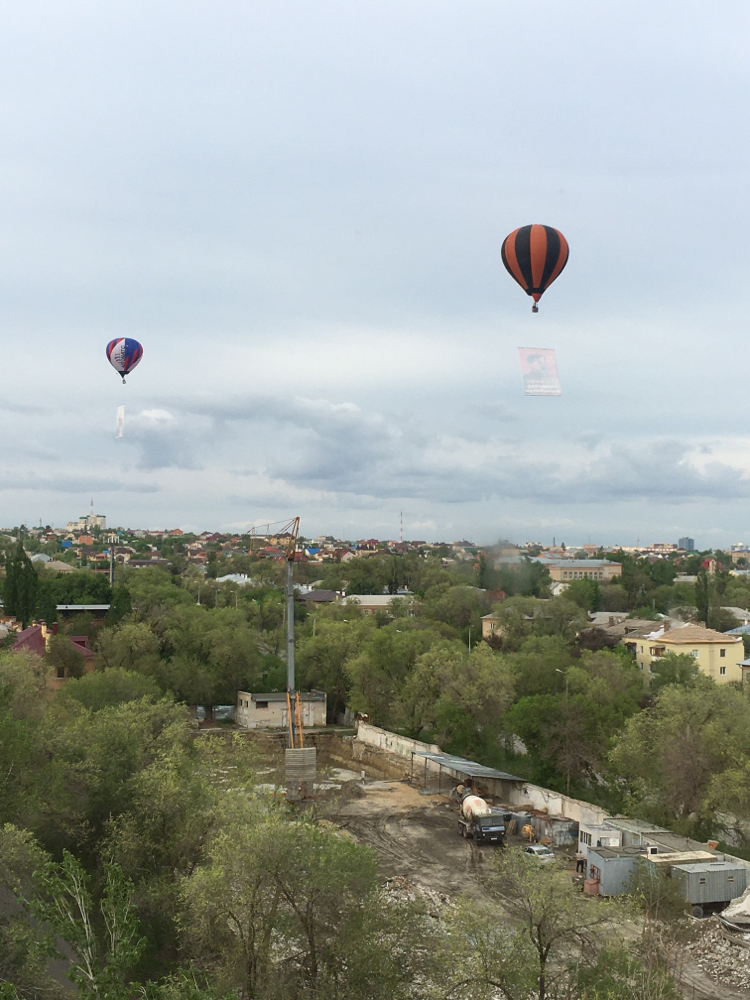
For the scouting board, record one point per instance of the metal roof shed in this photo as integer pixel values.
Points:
(496, 782)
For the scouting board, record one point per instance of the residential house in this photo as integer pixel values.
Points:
(318, 596)
(373, 603)
(37, 637)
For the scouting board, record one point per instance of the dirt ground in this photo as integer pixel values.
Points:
(415, 836)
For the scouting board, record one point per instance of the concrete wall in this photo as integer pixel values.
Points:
(402, 746)
(518, 794)
(556, 804)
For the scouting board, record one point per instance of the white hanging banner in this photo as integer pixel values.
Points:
(539, 370)
(120, 421)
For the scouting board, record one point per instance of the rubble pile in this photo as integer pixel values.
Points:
(719, 958)
(405, 890)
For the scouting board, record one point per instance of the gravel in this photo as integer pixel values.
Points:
(722, 960)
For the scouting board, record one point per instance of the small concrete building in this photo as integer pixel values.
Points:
(269, 711)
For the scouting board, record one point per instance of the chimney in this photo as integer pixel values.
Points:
(55, 627)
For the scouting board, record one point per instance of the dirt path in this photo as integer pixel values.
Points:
(415, 836)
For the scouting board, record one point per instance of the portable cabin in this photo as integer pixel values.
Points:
(612, 868)
(593, 835)
(706, 884)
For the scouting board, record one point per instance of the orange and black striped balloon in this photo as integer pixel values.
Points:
(534, 256)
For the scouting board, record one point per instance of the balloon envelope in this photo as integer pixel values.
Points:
(124, 354)
(534, 256)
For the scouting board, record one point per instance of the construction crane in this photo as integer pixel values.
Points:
(287, 536)
(294, 704)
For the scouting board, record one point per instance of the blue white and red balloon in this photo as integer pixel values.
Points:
(124, 354)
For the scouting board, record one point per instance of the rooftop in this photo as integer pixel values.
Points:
(469, 768)
(689, 634)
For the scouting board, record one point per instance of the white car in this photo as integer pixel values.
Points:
(540, 852)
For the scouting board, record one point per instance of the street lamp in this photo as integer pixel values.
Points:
(565, 675)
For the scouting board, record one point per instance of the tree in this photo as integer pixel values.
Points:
(121, 605)
(585, 593)
(101, 964)
(64, 658)
(675, 754)
(322, 659)
(267, 878)
(459, 697)
(674, 668)
(24, 950)
(553, 913)
(21, 584)
(111, 687)
(703, 596)
(378, 672)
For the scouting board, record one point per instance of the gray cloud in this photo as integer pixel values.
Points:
(73, 484)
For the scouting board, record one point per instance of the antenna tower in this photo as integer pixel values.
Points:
(402, 527)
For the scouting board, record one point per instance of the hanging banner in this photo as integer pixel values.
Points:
(539, 370)
(120, 421)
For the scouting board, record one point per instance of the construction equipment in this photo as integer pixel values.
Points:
(477, 819)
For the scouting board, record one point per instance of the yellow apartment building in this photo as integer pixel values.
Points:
(567, 570)
(718, 655)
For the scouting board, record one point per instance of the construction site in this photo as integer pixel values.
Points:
(403, 800)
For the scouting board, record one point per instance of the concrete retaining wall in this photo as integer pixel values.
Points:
(519, 794)
(402, 746)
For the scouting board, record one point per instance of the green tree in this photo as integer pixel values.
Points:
(120, 607)
(322, 658)
(674, 754)
(111, 687)
(703, 595)
(674, 668)
(553, 913)
(64, 658)
(21, 584)
(379, 671)
(585, 593)
(101, 964)
(459, 697)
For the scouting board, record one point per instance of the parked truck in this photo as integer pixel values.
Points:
(477, 819)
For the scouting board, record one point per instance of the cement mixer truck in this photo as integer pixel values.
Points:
(478, 820)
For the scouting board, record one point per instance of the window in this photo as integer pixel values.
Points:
(261, 704)
(586, 839)
(722, 670)
(702, 880)
(722, 652)
(730, 878)
(694, 653)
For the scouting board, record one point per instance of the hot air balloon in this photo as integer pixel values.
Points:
(124, 354)
(534, 256)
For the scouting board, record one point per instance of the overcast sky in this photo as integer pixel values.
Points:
(298, 208)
